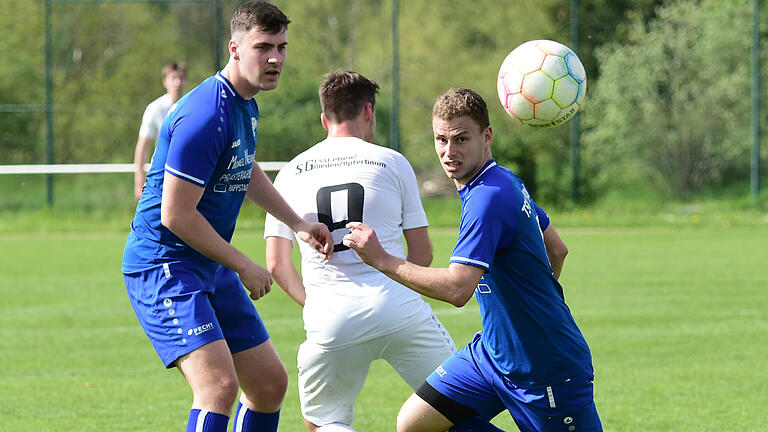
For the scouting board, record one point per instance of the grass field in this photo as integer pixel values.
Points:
(677, 319)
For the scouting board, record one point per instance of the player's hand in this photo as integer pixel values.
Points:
(318, 236)
(363, 240)
(257, 280)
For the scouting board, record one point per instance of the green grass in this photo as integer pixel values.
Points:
(670, 295)
(677, 320)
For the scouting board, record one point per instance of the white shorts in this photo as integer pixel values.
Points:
(329, 381)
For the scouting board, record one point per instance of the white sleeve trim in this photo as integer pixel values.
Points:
(470, 261)
(186, 176)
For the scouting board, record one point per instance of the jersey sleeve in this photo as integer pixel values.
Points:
(485, 219)
(198, 138)
(149, 128)
(413, 211)
(273, 227)
(543, 218)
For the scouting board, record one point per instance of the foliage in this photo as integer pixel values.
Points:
(111, 78)
(320, 42)
(672, 105)
(462, 45)
(670, 98)
(22, 56)
(600, 22)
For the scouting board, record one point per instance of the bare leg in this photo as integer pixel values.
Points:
(418, 416)
(211, 375)
(262, 377)
(311, 427)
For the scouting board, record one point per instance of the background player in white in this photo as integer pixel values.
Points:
(174, 81)
(353, 314)
(183, 277)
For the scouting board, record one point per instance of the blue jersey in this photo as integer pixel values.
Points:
(208, 139)
(528, 330)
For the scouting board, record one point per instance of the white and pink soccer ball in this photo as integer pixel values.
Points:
(542, 83)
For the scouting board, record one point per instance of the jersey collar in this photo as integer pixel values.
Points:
(228, 85)
(476, 179)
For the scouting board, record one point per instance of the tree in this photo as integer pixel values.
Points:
(462, 44)
(600, 22)
(672, 104)
(21, 82)
(107, 67)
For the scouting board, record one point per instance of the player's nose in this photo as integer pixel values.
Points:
(450, 149)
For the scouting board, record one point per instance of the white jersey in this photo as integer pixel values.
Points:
(154, 116)
(344, 179)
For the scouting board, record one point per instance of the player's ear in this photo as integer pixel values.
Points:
(488, 135)
(233, 49)
(323, 121)
(368, 112)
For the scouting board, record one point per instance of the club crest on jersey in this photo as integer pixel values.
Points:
(254, 123)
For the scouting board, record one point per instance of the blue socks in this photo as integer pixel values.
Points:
(252, 421)
(206, 421)
(245, 421)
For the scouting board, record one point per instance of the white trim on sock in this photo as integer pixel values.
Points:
(200, 420)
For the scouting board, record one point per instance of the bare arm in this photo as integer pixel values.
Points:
(180, 215)
(556, 249)
(139, 159)
(454, 284)
(281, 268)
(263, 193)
(419, 246)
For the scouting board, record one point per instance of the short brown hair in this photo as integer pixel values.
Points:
(458, 102)
(178, 67)
(262, 15)
(344, 93)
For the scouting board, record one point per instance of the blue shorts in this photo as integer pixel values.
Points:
(183, 305)
(467, 385)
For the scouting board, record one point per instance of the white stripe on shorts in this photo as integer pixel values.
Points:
(551, 397)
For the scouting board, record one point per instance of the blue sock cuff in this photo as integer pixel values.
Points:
(247, 420)
(206, 421)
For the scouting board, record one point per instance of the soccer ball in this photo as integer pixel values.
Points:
(542, 83)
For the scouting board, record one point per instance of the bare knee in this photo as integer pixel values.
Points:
(262, 377)
(265, 392)
(227, 390)
(217, 395)
(211, 375)
(274, 388)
